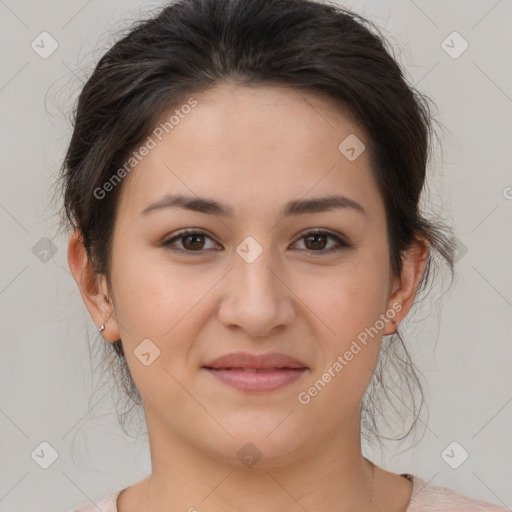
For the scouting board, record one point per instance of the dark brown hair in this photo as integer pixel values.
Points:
(317, 47)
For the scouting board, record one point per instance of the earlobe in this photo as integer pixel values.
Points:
(93, 288)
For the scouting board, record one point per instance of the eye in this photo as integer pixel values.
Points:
(317, 241)
(188, 240)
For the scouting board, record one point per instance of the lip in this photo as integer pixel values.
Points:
(245, 360)
(256, 372)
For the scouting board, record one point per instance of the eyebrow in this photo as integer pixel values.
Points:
(212, 207)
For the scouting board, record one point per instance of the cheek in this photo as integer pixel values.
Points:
(154, 300)
(349, 356)
(354, 298)
(162, 307)
(153, 294)
(356, 294)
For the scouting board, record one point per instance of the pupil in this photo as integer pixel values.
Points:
(316, 242)
(194, 245)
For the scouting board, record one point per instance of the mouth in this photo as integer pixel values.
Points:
(255, 379)
(256, 372)
(253, 370)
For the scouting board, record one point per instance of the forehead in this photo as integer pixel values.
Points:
(255, 146)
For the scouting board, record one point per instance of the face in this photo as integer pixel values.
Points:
(266, 266)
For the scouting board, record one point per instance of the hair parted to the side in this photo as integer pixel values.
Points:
(316, 47)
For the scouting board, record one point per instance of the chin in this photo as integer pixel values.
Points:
(260, 443)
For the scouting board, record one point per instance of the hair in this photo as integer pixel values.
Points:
(190, 46)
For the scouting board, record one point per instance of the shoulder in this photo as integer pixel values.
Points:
(434, 498)
(107, 504)
(424, 498)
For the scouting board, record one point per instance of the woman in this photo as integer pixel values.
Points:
(243, 186)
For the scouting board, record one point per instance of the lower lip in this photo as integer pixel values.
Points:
(257, 381)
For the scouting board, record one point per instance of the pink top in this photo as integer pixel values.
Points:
(424, 498)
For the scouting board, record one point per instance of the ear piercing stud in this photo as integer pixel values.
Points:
(102, 328)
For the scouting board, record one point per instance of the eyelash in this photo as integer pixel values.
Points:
(342, 244)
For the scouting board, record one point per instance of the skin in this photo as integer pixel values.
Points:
(253, 149)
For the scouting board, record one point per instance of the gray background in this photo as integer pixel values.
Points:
(48, 391)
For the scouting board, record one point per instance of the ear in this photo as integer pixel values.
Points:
(404, 288)
(93, 288)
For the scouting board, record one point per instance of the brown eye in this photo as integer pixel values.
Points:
(318, 241)
(193, 242)
(189, 241)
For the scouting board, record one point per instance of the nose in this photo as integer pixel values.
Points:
(256, 297)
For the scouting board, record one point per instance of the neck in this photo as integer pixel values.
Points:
(333, 476)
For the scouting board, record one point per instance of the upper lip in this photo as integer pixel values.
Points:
(257, 361)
